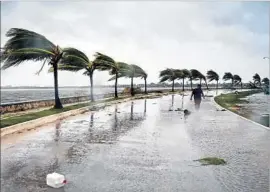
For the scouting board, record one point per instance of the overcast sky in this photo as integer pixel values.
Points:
(225, 37)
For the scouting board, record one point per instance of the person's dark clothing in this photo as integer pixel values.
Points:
(197, 93)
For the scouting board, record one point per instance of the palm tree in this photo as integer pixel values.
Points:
(74, 60)
(228, 76)
(202, 77)
(211, 76)
(237, 79)
(185, 74)
(25, 45)
(195, 75)
(171, 75)
(265, 81)
(257, 79)
(106, 63)
(143, 75)
(130, 71)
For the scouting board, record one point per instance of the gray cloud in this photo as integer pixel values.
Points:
(153, 35)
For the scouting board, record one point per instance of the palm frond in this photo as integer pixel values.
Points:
(257, 78)
(38, 72)
(104, 62)
(195, 74)
(227, 76)
(212, 75)
(63, 67)
(16, 57)
(164, 78)
(237, 79)
(265, 81)
(165, 72)
(25, 45)
(22, 38)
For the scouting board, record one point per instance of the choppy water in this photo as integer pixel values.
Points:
(20, 95)
(257, 109)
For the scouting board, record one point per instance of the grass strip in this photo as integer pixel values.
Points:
(35, 115)
(9, 121)
(230, 100)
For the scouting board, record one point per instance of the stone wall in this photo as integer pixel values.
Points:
(23, 106)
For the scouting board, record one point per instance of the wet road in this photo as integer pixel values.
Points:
(140, 146)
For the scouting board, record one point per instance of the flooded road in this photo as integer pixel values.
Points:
(140, 146)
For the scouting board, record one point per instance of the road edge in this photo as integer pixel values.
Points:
(216, 104)
(32, 124)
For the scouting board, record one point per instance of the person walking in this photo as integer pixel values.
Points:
(197, 94)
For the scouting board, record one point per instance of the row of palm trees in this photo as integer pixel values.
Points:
(172, 75)
(24, 45)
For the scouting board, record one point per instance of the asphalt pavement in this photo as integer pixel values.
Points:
(143, 145)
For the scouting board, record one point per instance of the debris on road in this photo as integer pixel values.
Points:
(211, 161)
(55, 180)
(187, 112)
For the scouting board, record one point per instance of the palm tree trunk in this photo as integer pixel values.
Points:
(58, 104)
(131, 87)
(145, 86)
(173, 86)
(91, 86)
(217, 84)
(201, 82)
(191, 83)
(232, 83)
(183, 88)
(115, 85)
(241, 85)
(206, 84)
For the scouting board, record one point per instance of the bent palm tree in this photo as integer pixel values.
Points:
(25, 45)
(238, 80)
(141, 73)
(185, 74)
(74, 60)
(106, 63)
(171, 75)
(130, 71)
(228, 76)
(265, 81)
(202, 77)
(212, 76)
(144, 75)
(257, 79)
(195, 75)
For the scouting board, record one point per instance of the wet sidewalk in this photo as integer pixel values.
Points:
(140, 146)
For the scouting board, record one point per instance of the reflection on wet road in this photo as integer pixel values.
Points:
(140, 146)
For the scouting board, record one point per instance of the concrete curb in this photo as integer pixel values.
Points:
(215, 103)
(28, 125)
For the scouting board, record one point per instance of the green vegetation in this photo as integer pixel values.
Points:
(211, 161)
(35, 115)
(230, 100)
